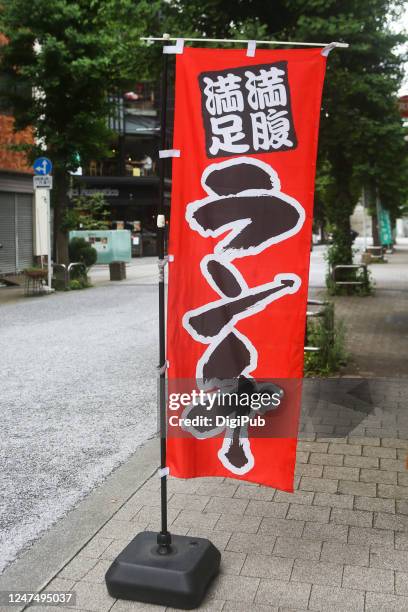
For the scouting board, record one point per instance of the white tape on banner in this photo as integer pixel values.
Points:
(163, 472)
(329, 48)
(169, 153)
(251, 48)
(178, 48)
(161, 221)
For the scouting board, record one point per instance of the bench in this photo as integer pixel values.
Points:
(349, 282)
(375, 254)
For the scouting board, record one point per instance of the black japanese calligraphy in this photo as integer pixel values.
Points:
(246, 203)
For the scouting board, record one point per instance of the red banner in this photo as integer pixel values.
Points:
(240, 233)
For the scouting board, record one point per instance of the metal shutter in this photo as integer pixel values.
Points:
(25, 248)
(7, 233)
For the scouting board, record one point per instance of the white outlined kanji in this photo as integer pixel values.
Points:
(227, 132)
(270, 130)
(223, 95)
(266, 89)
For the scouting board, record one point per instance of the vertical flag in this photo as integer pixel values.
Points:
(240, 233)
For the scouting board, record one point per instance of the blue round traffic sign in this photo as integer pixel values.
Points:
(42, 166)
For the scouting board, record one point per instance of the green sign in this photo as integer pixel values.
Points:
(384, 226)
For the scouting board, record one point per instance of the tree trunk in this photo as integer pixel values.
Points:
(60, 205)
(323, 236)
(374, 229)
(341, 207)
(342, 242)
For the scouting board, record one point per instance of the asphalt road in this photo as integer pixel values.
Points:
(77, 396)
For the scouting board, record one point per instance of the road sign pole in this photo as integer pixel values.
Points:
(44, 183)
(49, 262)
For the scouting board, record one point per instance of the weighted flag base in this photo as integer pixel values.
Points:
(178, 578)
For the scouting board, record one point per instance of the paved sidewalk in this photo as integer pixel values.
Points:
(340, 542)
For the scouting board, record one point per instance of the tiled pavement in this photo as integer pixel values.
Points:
(340, 542)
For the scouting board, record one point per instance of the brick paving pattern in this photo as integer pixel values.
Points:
(340, 542)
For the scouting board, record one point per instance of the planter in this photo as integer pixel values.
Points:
(35, 281)
(36, 274)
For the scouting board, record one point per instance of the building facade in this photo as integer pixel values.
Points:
(16, 201)
(129, 178)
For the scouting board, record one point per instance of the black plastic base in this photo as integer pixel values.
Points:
(178, 579)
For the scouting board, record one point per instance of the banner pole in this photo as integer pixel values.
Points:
(156, 567)
(340, 45)
(164, 537)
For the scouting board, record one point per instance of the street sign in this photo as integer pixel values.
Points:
(42, 182)
(42, 166)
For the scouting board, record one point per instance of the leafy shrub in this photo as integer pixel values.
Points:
(81, 251)
(78, 283)
(329, 336)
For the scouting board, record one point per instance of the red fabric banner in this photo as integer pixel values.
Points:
(239, 247)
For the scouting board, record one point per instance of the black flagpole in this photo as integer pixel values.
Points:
(156, 567)
(164, 537)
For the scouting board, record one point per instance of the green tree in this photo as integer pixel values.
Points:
(361, 135)
(361, 132)
(87, 213)
(72, 54)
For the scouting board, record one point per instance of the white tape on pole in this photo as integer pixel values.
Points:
(169, 153)
(251, 48)
(178, 48)
(161, 221)
(329, 48)
(163, 472)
